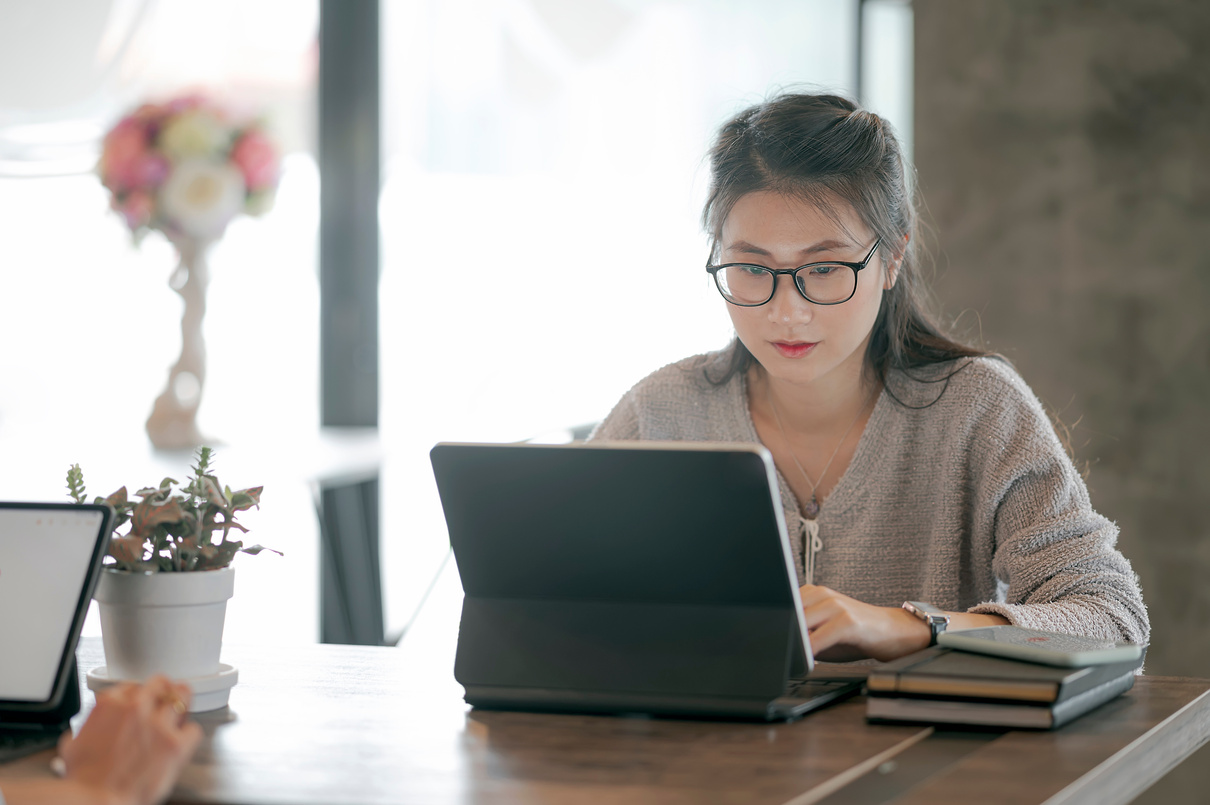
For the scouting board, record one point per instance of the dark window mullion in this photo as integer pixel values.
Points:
(349, 158)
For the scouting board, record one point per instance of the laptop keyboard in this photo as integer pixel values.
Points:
(15, 745)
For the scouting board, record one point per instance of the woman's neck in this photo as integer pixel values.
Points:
(815, 409)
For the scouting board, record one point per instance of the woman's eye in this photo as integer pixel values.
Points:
(753, 271)
(824, 270)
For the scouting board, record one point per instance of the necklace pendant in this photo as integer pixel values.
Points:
(812, 508)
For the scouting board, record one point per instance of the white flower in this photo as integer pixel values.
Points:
(193, 133)
(201, 197)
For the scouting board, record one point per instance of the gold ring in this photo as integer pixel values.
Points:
(177, 704)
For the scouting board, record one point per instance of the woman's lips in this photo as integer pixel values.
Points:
(794, 349)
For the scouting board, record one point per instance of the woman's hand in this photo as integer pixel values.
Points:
(843, 628)
(134, 743)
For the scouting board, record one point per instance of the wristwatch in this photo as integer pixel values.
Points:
(936, 619)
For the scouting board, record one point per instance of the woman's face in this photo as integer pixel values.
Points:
(795, 340)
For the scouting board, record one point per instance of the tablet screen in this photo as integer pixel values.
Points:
(45, 559)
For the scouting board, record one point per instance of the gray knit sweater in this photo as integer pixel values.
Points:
(969, 503)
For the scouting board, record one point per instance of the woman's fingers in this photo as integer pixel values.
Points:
(822, 605)
(135, 742)
(850, 629)
(813, 594)
(817, 614)
(183, 692)
(159, 689)
(170, 700)
(827, 637)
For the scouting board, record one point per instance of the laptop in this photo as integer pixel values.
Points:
(50, 559)
(636, 577)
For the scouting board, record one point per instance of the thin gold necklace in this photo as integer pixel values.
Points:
(811, 509)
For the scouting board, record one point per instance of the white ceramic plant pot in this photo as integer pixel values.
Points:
(163, 623)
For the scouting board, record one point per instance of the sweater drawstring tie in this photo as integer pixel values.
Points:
(812, 544)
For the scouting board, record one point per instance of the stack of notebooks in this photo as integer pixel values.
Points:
(946, 686)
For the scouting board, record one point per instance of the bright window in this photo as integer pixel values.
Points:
(544, 177)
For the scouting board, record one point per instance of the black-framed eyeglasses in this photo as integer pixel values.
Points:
(749, 285)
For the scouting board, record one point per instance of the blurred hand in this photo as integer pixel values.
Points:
(134, 744)
(843, 628)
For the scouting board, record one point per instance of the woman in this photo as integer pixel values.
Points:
(130, 751)
(911, 467)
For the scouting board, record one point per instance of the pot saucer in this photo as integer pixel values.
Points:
(209, 692)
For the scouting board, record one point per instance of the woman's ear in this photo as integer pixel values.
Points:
(892, 265)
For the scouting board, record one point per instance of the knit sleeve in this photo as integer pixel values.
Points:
(1056, 555)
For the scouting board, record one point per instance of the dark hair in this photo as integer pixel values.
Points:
(824, 148)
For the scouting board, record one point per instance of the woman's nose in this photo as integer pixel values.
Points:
(788, 306)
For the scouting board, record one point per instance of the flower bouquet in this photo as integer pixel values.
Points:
(186, 168)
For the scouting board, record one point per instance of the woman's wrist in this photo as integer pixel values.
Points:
(971, 620)
(910, 634)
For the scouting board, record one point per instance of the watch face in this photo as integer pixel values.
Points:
(926, 612)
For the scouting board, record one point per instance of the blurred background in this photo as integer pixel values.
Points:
(1061, 151)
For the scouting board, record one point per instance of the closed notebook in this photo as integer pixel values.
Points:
(989, 713)
(950, 673)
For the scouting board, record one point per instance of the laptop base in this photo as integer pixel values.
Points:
(19, 743)
(802, 697)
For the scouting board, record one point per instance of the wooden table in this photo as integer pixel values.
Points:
(355, 724)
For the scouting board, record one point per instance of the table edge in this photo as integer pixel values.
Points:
(1115, 781)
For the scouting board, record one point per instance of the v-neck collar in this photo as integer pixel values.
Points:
(841, 497)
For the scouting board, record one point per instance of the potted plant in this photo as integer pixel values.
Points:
(163, 594)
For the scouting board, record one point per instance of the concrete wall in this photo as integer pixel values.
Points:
(1063, 151)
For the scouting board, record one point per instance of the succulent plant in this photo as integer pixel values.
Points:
(176, 530)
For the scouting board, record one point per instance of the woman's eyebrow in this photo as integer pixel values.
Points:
(744, 247)
(827, 246)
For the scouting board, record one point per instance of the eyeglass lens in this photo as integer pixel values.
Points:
(753, 285)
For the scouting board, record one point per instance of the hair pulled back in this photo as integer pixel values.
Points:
(824, 149)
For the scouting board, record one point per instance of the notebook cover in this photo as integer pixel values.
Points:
(995, 714)
(944, 672)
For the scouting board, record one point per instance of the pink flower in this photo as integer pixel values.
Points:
(124, 148)
(137, 208)
(256, 157)
(149, 171)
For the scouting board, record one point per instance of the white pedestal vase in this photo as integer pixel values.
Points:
(166, 623)
(173, 421)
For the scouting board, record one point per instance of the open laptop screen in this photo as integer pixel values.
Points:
(49, 556)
